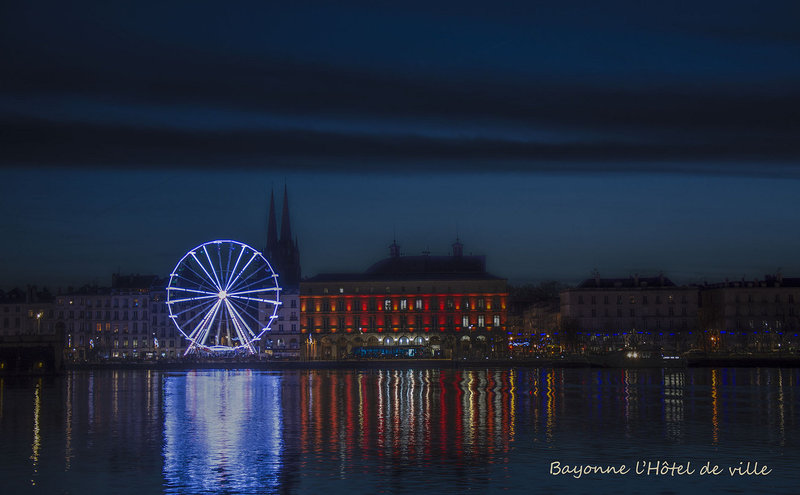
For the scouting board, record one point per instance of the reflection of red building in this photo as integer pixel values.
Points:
(446, 306)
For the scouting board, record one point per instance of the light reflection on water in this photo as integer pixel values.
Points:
(395, 431)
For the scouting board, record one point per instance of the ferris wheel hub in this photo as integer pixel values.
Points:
(222, 294)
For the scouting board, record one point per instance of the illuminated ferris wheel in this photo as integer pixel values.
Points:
(223, 296)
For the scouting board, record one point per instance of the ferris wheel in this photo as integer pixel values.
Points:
(223, 295)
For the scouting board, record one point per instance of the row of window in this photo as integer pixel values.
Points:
(109, 303)
(134, 315)
(388, 290)
(403, 304)
(632, 312)
(450, 322)
(670, 299)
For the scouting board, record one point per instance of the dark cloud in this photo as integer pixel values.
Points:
(110, 92)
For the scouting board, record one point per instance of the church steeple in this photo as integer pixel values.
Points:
(283, 253)
(286, 228)
(272, 229)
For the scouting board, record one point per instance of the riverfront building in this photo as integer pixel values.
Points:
(28, 312)
(609, 313)
(406, 306)
(752, 315)
(108, 322)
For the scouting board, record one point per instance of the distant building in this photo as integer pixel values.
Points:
(752, 315)
(28, 312)
(609, 313)
(105, 322)
(406, 306)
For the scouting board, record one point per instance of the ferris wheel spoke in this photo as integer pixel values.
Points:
(243, 311)
(210, 278)
(242, 284)
(254, 291)
(183, 289)
(257, 299)
(205, 329)
(240, 326)
(200, 280)
(193, 307)
(193, 336)
(233, 281)
(235, 266)
(211, 265)
(227, 273)
(196, 298)
(238, 322)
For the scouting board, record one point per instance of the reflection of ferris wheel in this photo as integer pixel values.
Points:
(217, 292)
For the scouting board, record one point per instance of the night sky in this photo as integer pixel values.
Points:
(556, 138)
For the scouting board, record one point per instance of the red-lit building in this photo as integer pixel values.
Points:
(406, 306)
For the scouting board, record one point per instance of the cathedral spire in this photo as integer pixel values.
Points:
(286, 228)
(272, 229)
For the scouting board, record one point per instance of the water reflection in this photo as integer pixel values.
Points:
(37, 440)
(222, 433)
(383, 430)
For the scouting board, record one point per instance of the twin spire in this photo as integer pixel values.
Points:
(286, 227)
(283, 253)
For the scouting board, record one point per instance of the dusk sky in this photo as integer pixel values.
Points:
(555, 138)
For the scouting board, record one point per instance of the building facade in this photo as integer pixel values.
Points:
(608, 313)
(406, 306)
(108, 322)
(751, 315)
(28, 312)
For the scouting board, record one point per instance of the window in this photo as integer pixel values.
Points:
(387, 304)
(449, 304)
(465, 321)
(403, 304)
(418, 304)
(481, 321)
(633, 299)
(496, 320)
(294, 303)
(481, 303)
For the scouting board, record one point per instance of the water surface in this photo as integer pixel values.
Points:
(396, 431)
